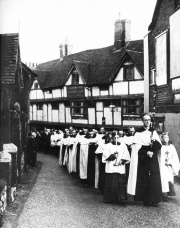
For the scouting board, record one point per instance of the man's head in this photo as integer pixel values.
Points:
(120, 133)
(102, 130)
(146, 119)
(131, 131)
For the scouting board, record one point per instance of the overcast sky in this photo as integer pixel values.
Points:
(88, 24)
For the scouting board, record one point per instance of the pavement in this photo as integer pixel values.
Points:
(58, 199)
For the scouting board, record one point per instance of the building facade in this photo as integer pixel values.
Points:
(93, 88)
(162, 68)
(16, 80)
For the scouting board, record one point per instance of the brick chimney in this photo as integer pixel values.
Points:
(122, 34)
(65, 49)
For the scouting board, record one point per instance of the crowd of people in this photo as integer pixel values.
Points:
(139, 163)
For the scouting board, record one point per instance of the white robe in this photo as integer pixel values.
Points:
(169, 155)
(123, 153)
(139, 139)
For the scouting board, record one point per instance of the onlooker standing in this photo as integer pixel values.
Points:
(32, 147)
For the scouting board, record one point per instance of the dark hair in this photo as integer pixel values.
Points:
(144, 114)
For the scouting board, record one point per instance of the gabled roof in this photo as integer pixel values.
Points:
(97, 66)
(9, 44)
(137, 59)
(83, 69)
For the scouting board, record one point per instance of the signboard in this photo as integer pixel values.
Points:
(175, 45)
(75, 91)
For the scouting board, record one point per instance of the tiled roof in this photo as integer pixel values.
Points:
(9, 44)
(97, 66)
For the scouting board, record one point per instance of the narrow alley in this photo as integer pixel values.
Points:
(60, 200)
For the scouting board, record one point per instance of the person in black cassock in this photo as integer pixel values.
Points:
(144, 180)
(32, 148)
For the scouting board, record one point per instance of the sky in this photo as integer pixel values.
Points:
(87, 24)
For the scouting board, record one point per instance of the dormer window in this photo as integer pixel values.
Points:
(75, 77)
(36, 85)
(128, 72)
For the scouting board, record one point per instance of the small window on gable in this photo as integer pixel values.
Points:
(75, 77)
(128, 73)
(36, 85)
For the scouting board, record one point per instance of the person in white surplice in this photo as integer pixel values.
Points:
(169, 166)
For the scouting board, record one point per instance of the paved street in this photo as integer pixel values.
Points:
(60, 200)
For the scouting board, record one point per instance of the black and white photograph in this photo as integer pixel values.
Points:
(89, 113)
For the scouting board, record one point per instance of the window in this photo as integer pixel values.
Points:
(36, 85)
(128, 73)
(153, 77)
(133, 106)
(39, 106)
(75, 77)
(55, 106)
(176, 90)
(78, 108)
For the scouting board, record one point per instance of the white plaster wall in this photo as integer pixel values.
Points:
(61, 113)
(56, 93)
(80, 121)
(69, 81)
(137, 74)
(120, 88)
(40, 94)
(95, 91)
(136, 87)
(99, 106)
(68, 115)
(49, 112)
(117, 117)
(47, 95)
(119, 76)
(108, 116)
(32, 95)
(104, 93)
(55, 115)
(99, 116)
(39, 115)
(31, 112)
(65, 91)
(80, 81)
(91, 115)
(34, 112)
(45, 111)
(132, 122)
